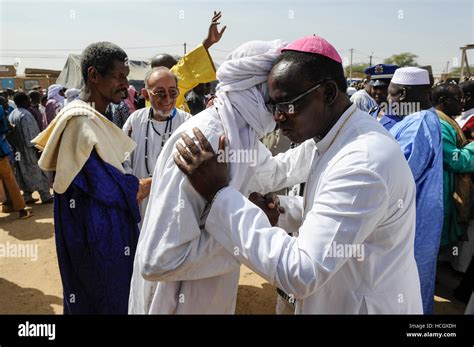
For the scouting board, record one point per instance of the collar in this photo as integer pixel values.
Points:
(467, 113)
(441, 113)
(323, 144)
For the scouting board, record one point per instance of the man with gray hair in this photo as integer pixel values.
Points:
(95, 201)
(150, 127)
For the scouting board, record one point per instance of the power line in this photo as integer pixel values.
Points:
(30, 57)
(80, 49)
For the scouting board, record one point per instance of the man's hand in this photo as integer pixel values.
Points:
(214, 35)
(206, 173)
(269, 204)
(143, 189)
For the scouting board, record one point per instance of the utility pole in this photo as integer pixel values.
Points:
(370, 61)
(185, 48)
(464, 62)
(350, 66)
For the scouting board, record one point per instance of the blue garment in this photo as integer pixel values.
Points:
(5, 147)
(388, 121)
(419, 135)
(117, 113)
(95, 222)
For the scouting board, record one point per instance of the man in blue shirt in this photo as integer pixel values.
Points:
(419, 135)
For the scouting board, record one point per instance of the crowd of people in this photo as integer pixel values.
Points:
(149, 218)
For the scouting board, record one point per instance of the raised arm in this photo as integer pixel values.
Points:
(197, 66)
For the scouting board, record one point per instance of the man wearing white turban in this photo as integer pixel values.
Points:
(179, 267)
(71, 94)
(55, 101)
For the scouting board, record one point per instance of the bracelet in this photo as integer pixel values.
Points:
(215, 196)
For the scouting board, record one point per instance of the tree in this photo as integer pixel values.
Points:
(402, 59)
(356, 68)
(457, 70)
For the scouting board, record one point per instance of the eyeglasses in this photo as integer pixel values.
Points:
(461, 100)
(288, 107)
(161, 93)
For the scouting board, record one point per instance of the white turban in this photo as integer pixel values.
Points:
(241, 96)
(71, 95)
(53, 93)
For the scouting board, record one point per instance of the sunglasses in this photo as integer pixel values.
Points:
(161, 93)
(461, 100)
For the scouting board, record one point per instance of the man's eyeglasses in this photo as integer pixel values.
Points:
(288, 107)
(161, 93)
(461, 100)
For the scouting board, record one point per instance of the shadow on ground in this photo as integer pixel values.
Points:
(18, 300)
(37, 227)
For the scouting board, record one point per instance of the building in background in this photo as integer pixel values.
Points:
(31, 78)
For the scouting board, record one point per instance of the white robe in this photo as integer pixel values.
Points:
(136, 125)
(179, 267)
(360, 192)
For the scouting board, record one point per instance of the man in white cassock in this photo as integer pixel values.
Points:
(150, 127)
(356, 223)
(179, 267)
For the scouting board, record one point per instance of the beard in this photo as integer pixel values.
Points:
(162, 114)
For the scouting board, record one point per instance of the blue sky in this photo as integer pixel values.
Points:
(41, 33)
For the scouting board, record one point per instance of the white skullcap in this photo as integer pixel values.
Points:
(411, 76)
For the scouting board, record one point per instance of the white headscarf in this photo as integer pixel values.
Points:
(71, 95)
(53, 93)
(241, 95)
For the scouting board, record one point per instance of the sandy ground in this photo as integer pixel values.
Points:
(29, 285)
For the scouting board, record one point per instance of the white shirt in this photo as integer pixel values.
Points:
(360, 192)
(179, 267)
(138, 125)
(11, 103)
(363, 100)
(42, 110)
(464, 117)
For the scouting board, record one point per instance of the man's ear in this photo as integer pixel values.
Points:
(442, 100)
(330, 92)
(92, 74)
(145, 94)
(403, 94)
